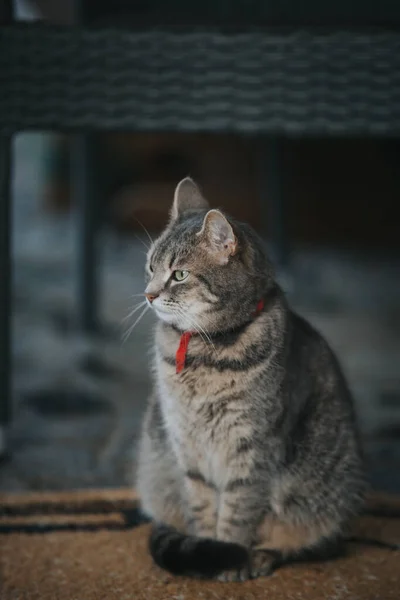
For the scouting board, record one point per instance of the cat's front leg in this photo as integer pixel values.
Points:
(202, 505)
(241, 508)
(240, 511)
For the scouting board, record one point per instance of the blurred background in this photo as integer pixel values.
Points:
(78, 398)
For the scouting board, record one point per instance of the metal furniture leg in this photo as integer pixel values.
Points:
(274, 209)
(6, 11)
(82, 159)
(5, 287)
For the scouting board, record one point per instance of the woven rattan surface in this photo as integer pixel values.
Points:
(293, 82)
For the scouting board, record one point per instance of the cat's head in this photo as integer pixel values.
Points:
(205, 271)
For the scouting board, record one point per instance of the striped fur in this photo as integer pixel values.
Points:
(252, 447)
(183, 554)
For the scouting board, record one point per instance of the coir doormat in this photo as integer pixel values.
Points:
(93, 546)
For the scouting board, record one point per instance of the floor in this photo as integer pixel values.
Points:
(78, 401)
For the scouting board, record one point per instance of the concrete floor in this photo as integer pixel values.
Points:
(78, 402)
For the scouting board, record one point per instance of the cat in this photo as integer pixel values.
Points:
(249, 453)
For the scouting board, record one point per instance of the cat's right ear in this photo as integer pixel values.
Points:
(187, 197)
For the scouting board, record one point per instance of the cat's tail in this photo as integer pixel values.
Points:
(182, 554)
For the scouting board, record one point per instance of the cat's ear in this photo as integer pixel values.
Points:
(187, 197)
(218, 236)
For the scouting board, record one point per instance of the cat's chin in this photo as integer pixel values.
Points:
(166, 317)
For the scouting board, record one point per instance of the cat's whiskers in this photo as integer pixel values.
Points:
(134, 310)
(144, 243)
(188, 324)
(132, 327)
(194, 325)
(146, 231)
(206, 334)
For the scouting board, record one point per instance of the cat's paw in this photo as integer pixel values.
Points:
(263, 563)
(242, 574)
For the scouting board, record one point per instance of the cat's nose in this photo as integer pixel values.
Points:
(151, 297)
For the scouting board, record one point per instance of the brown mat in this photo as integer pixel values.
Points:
(88, 546)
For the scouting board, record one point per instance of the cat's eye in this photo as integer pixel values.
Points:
(151, 269)
(180, 275)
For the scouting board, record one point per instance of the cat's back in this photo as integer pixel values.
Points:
(311, 357)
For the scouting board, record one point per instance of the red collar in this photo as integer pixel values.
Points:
(180, 357)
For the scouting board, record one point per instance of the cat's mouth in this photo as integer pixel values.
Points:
(170, 315)
(159, 307)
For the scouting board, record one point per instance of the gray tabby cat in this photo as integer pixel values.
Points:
(249, 453)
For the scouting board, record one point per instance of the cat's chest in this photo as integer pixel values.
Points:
(199, 426)
(192, 409)
(200, 445)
